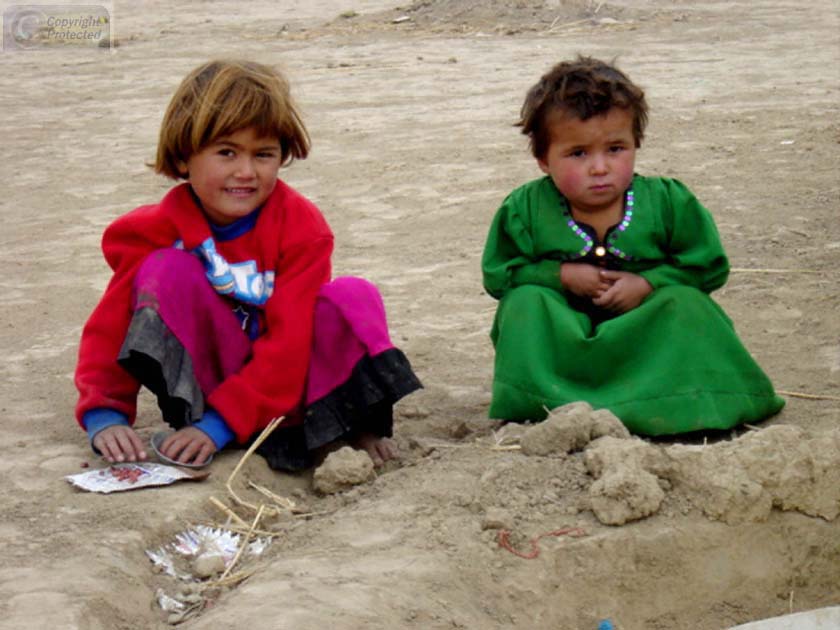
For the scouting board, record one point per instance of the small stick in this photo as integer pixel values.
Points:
(510, 447)
(311, 514)
(808, 396)
(243, 530)
(500, 441)
(445, 445)
(262, 437)
(748, 270)
(565, 24)
(245, 540)
(233, 578)
(233, 515)
(283, 502)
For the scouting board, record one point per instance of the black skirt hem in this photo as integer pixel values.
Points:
(362, 404)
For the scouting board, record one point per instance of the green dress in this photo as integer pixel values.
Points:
(671, 365)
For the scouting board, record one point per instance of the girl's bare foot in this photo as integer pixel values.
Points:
(380, 449)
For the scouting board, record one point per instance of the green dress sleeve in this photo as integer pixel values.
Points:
(695, 254)
(510, 258)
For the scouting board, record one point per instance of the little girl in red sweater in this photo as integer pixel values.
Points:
(221, 301)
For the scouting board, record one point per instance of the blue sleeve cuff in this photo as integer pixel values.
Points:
(97, 419)
(216, 428)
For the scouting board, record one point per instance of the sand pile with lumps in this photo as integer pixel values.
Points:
(737, 481)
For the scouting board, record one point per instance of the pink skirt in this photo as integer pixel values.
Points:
(184, 339)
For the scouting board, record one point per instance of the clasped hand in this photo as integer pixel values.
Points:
(616, 291)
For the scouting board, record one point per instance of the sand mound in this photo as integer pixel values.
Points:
(493, 16)
(735, 482)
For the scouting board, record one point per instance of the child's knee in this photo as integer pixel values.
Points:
(352, 294)
(171, 264)
(169, 273)
(349, 287)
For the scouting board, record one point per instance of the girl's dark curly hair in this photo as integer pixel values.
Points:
(584, 88)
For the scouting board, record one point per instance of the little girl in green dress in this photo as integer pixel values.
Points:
(603, 275)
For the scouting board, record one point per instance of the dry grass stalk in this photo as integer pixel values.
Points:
(282, 502)
(230, 580)
(262, 437)
(748, 270)
(499, 440)
(244, 545)
(434, 444)
(230, 513)
(554, 27)
(807, 396)
(313, 514)
(237, 529)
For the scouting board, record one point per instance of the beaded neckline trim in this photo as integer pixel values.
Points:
(589, 242)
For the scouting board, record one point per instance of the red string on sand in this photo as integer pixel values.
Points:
(504, 540)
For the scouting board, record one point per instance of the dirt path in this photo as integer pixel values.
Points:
(413, 151)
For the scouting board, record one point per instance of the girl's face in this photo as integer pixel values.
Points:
(234, 174)
(591, 161)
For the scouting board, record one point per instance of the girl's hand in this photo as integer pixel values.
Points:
(626, 291)
(119, 443)
(583, 279)
(188, 446)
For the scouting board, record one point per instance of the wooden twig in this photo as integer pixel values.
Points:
(807, 396)
(238, 529)
(262, 437)
(748, 270)
(446, 445)
(311, 514)
(500, 441)
(246, 539)
(230, 513)
(566, 24)
(233, 578)
(282, 502)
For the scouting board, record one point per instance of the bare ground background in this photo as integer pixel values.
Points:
(413, 152)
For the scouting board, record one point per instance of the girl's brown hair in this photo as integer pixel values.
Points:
(584, 88)
(220, 98)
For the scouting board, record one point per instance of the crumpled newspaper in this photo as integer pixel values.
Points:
(132, 476)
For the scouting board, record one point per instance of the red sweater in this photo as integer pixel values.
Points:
(291, 238)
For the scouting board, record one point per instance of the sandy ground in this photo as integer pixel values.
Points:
(413, 151)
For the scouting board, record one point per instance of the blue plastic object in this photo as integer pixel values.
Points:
(605, 624)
